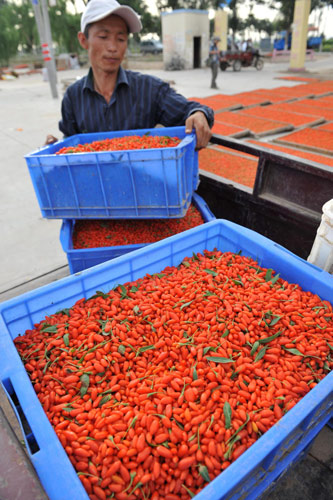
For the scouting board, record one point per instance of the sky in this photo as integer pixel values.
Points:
(262, 12)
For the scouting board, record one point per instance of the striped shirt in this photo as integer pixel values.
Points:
(139, 101)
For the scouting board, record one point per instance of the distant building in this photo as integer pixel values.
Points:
(185, 36)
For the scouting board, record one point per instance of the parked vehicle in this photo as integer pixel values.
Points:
(151, 47)
(280, 41)
(237, 60)
(313, 42)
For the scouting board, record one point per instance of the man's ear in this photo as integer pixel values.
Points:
(82, 40)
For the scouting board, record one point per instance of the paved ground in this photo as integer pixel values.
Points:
(30, 251)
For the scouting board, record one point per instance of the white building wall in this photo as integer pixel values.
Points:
(179, 28)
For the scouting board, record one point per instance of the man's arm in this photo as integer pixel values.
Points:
(198, 122)
(174, 110)
(213, 50)
(50, 139)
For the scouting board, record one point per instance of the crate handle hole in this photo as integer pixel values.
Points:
(14, 400)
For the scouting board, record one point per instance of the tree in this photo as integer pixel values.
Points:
(237, 24)
(260, 25)
(64, 27)
(150, 23)
(26, 25)
(9, 37)
(22, 27)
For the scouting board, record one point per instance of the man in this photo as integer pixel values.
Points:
(249, 46)
(214, 55)
(110, 98)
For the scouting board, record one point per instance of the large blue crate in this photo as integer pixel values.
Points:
(83, 258)
(261, 465)
(143, 184)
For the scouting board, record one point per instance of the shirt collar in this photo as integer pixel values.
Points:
(89, 83)
(122, 77)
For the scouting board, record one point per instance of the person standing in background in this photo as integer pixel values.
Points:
(244, 46)
(249, 46)
(214, 55)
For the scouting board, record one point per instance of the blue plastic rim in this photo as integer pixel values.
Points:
(146, 183)
(254, 471)
(83, 258)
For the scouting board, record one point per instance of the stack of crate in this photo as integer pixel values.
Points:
(135, 184)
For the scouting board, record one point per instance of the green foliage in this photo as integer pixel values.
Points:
(286, 13)
(18, 28)
(235, 22)
(25, 24)
(260, 25)
(327, 45)
(65, 27)
(150, 23)
(9, 37)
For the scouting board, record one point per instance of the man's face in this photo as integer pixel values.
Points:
(106, 43)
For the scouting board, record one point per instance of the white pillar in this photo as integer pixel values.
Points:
(299, 35)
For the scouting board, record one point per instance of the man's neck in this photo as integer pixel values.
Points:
(105, 83)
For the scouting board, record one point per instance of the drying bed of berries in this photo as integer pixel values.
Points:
(271, 113)
(237, 168)
(323, 160)
(227, 129)
(253, 123)
(320, 140)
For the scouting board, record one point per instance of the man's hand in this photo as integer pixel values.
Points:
(198, 121)
(50, 139)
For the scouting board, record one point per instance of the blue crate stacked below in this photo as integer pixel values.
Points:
(132, 184)
(259, 466)
(83, 258)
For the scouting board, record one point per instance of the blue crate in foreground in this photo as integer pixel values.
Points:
(143, 184)
(261, 465)
(83, 258)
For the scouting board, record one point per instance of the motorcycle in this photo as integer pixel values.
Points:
(238, 60)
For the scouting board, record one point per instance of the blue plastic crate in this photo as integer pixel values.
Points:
(143, 184)
(83, 258)
(260, 466)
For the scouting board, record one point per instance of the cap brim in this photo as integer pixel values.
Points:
(126, 13)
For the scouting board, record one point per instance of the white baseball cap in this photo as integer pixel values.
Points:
(99, 9)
